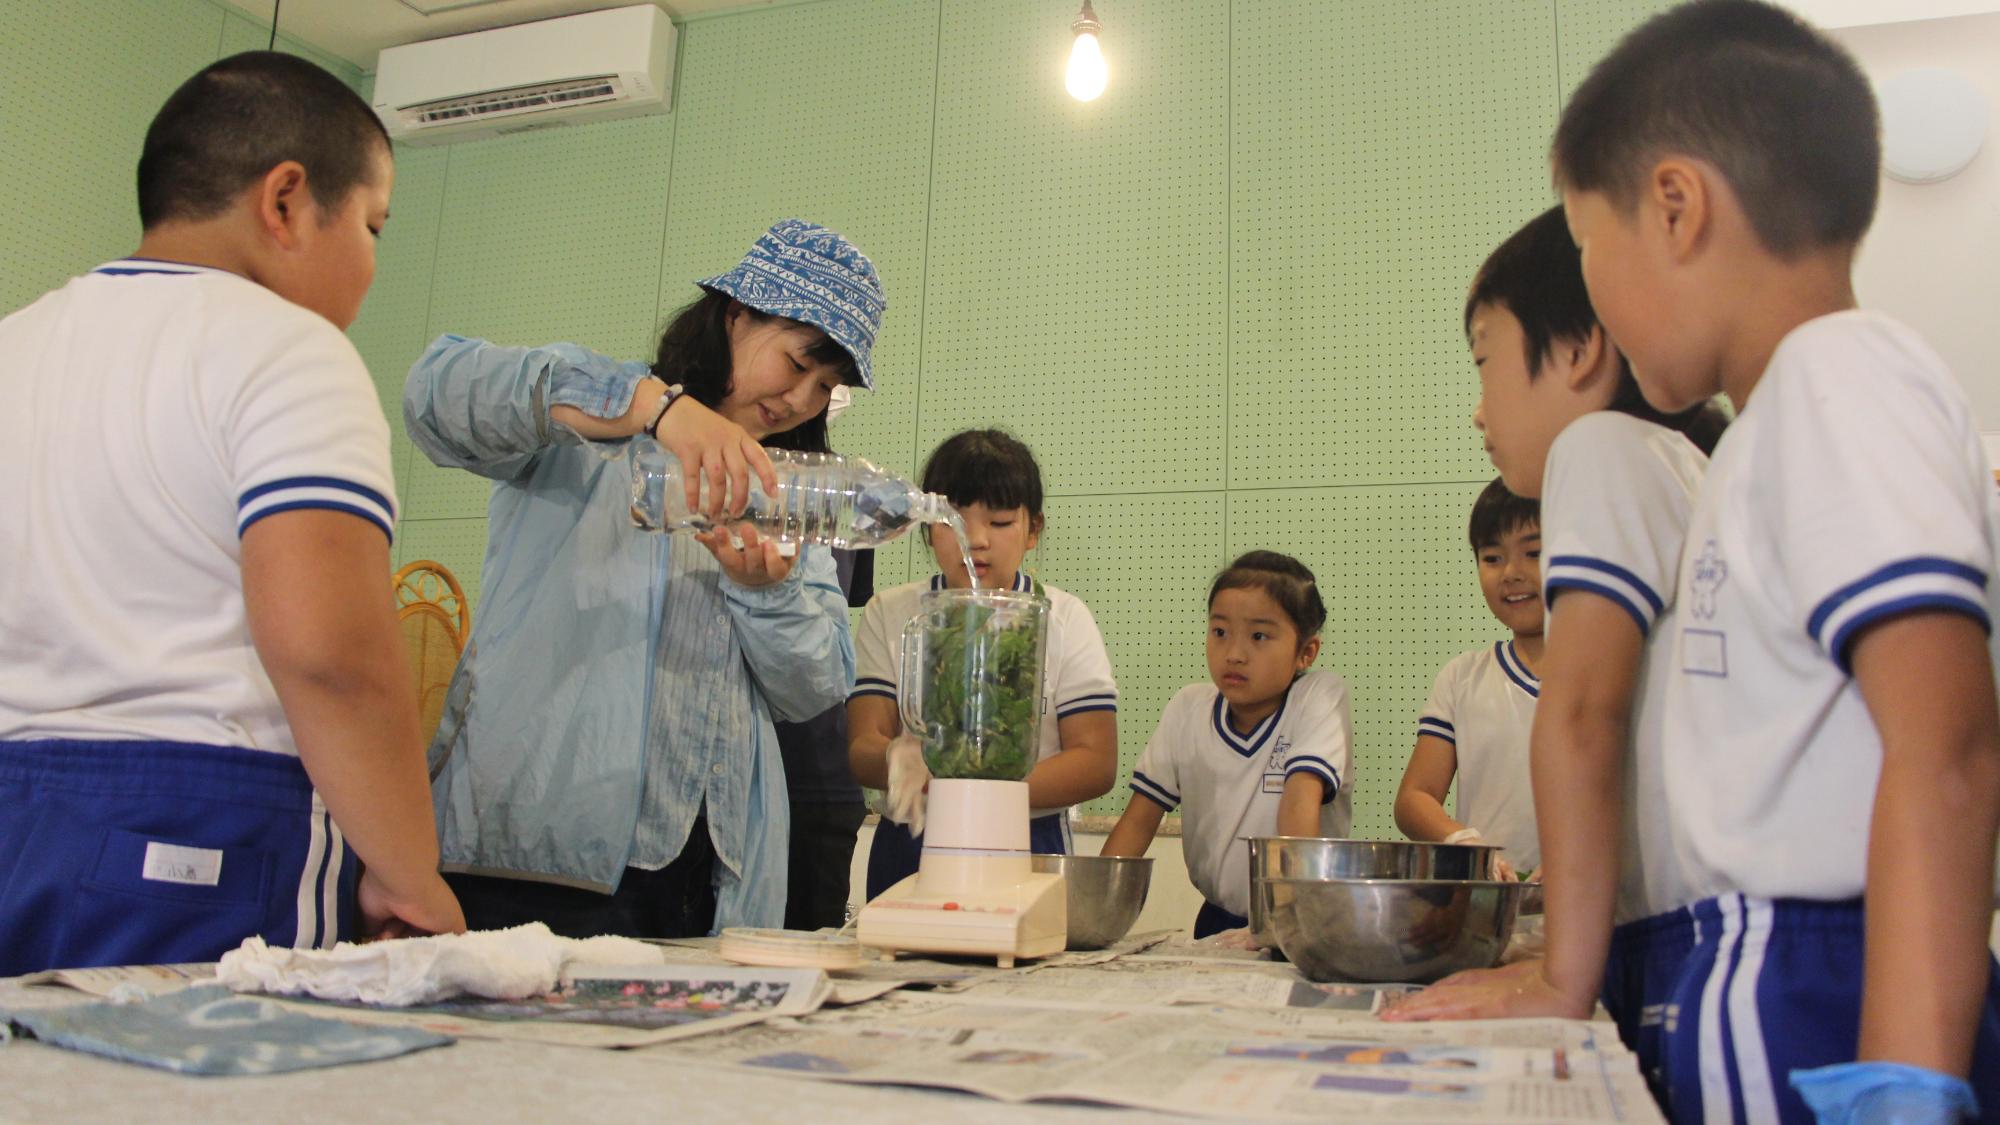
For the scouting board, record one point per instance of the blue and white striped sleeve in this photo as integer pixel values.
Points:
(1617, 496)
(1439, 718)
(306, 431)
(1901, 587)
(1325, 732)
(1156, 775)
(875, 664)
(1083, 682)
(1877, 494)
(1607, 579)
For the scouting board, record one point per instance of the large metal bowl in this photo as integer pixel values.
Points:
(1105, 894)
(1303, 857)
(1411, 930)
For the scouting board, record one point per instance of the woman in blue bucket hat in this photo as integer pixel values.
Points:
(606, 762)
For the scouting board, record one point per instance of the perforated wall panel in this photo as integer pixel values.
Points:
(1587, 30)
(79, 86)
(1381, 149)
(1078, 285)
(1142, 563)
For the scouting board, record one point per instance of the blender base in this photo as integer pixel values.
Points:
(975, 892)
(1023, 920)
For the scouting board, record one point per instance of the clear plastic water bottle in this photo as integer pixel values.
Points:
(823, 498)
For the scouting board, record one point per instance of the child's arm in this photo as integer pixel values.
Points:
(1136, 828)
(1085, 768)
(321, 616)
(1576, 762)
(1928, 681)
(1426, 781)
(1298, 808)
(872, 721)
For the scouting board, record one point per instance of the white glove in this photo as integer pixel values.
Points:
(908, 778)
(1502, 870)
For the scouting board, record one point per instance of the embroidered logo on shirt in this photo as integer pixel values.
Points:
(1710, 572)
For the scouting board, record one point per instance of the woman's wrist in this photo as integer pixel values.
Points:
(668, 397)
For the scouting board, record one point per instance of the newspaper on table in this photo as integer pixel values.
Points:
(600, 1006)
(1294, 1063)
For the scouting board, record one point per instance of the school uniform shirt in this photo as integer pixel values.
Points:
(1852, 489)
(155, 412)
(1617, 494)
(1483, 703)
(1227, 786)
(1075, 681)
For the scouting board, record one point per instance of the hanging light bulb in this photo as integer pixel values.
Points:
(1086, 76)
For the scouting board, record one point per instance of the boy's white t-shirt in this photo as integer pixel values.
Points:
(1483, 703)
(154, 412)
(1076, 681)
(1851, 490)
(1617, 495)
(1227, 786)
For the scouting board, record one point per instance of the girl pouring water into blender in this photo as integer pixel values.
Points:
(992, 479)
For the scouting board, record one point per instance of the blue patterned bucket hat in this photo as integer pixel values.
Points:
(805, 272)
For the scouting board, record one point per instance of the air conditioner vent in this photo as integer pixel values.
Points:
(523, 99)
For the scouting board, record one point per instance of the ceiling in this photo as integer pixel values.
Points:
(357, 29)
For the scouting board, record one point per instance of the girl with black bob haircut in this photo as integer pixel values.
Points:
(1263, 747)
(993, 481)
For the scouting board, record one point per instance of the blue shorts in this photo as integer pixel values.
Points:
(1640, 973)
(1213, 919)
(1774, 986)
(134, 853)
(894, 854)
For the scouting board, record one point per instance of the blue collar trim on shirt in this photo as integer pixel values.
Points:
(1247, 745)
(1516, 669)
(125, 267)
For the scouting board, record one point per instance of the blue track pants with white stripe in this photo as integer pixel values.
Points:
(123, 853)
(1774, 986)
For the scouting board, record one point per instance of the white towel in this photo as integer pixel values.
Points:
(498, 964)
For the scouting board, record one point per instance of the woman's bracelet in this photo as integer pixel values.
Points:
(671, 396)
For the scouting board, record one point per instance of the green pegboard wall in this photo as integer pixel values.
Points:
(1380, 149)
(1142, 563)
(1586, 30)
(80, 84)
(1078, 288)
(549, 235)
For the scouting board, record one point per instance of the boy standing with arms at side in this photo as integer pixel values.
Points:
(1832, 730)
(205, 699)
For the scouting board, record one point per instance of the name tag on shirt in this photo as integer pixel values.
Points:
(175, 863)
(1704, 652)
(1274, 783)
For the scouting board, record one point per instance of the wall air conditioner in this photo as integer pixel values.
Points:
(596, 66)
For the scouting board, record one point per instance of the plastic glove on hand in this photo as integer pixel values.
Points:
(908, 779)
(1884, 1093)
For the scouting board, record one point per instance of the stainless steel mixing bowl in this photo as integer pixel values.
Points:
(1300, 857)
(1105, 894)
(1414, 930)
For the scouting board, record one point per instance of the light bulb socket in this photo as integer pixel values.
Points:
(1086, 20)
